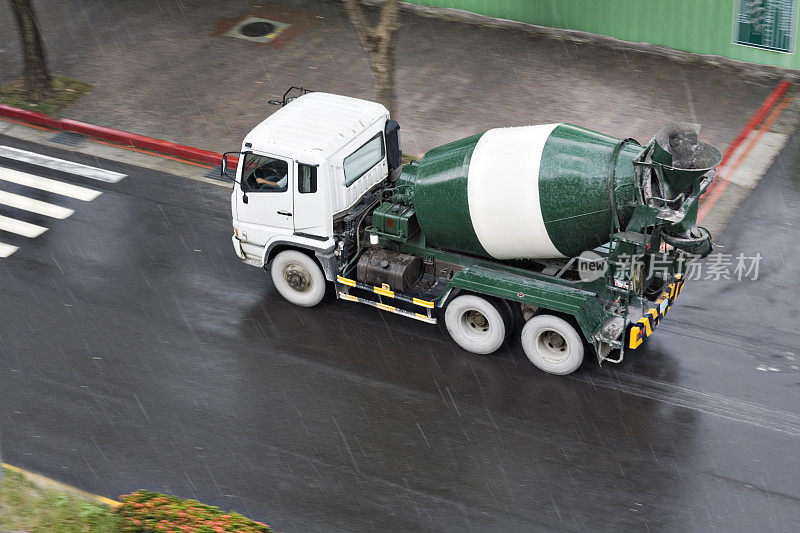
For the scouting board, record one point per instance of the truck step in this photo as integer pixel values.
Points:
(390, 308)
(253, 261)
(343, 285)
(385, 291)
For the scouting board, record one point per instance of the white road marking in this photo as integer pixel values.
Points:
(60, 164)
(758, 159)
(26, 229)
(46, 184)
(34, 206)
(7, 249)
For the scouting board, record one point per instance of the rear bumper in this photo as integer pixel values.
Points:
(643, 328)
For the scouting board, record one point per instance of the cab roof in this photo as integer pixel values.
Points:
(315, 126)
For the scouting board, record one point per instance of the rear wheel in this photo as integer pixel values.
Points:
(552, 344)
(475, 324)
(298, 278)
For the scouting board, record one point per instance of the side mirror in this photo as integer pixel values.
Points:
(224, 170)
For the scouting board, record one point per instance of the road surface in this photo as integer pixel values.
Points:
(136, 351)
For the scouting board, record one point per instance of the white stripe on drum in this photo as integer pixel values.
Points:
(503, 193)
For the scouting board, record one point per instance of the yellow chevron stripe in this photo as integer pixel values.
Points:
(383, 292)
(634, 342)
(423, 303)
(648, 329)
(349, 297)
(345, 281)
(385, 307)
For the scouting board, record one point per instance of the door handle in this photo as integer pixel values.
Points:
(285, 213)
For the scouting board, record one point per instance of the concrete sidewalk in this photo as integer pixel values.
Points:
(157, 70)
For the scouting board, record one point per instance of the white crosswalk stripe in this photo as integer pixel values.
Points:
(49, 185)
(34, 206)
(26, 229)
(63, 165)
(7, 249)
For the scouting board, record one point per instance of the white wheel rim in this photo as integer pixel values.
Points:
(475, 324)
(552, 346)
(298, 278)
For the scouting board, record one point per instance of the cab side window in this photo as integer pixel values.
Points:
(306, 178)
(261, 173)
(362, 160)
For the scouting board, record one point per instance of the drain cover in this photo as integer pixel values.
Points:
(257, 29)
(68, 138)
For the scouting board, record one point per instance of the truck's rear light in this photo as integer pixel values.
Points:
(236, 232)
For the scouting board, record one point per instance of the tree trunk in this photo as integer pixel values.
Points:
(37, 78)
(382, 65)
(378, 42)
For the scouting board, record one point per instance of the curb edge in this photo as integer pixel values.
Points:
(40, 480)
(716, 188)
(110, 134)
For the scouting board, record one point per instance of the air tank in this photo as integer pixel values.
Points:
(543, 191)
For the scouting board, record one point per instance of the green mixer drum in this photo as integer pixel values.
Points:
(527, 192)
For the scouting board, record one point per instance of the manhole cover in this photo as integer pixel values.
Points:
(257, 29)
(266, 24)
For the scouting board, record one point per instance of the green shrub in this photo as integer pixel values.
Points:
(145, 511)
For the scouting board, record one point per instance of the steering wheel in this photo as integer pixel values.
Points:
(268, 172)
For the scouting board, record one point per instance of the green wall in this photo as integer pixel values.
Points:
(699, 26)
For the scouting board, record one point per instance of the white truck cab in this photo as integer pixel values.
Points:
(300, 169)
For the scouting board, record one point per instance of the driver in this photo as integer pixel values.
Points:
(280, 184)
(272, 175)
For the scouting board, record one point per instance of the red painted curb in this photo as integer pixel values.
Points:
(709, 197)
(110, 134)
(770, 101)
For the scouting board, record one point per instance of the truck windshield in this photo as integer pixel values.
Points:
(264, 173)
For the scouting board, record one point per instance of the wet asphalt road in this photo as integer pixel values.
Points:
(136, 351)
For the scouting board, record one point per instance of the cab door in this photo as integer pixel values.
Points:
(264, 197)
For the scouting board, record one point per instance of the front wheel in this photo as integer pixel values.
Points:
(298, 278)
(475, 324)
(552, 344)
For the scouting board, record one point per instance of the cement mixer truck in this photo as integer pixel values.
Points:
(574, 239)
